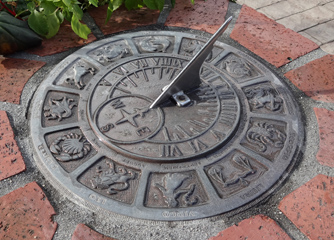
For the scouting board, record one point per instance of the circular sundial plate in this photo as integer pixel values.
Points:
(99, 142)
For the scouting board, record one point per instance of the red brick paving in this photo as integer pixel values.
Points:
(63, 41)
(26, 214)
(268, 39)
(311, 208)
(254, 228)
(326, 131)
(82, 232)
(11, 161)
(122, 19)
(203, 15)
(315, 79)
(14, 73)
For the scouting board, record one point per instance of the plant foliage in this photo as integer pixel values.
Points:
(46, 16)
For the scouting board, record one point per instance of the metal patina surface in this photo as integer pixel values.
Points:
(97, 140)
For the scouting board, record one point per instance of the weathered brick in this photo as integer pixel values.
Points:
(323, 32)
(315, 79)
(254, 228)
(26, 213)
(326, 132)
(14, 74)
(203, 15)
(82, 232)
(311, 208)
(63, 41)
(307, 19)
(11, 160)
(268, 39)
(122, 19)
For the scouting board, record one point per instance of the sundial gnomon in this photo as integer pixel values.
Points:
(100, 141)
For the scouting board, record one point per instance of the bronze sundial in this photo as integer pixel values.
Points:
(114, 132)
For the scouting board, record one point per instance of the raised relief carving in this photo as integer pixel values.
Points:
(194, 46)
(114, 179)
(111, 53)
(59, 109)
(263, 135)
(173, 194)
(264, 97)
(70, 147)
(154, 44)
(241, 162)
(236, 67)
(79, 71)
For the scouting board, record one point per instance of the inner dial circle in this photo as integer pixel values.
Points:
(121, 117)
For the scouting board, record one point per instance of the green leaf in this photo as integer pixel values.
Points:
(117, 3)
(94, 2)
(109, 12)
(48, 7)
(155, 4)
(67, 15)
(79, 28)
(53, 24)
(60, 16)
(77, 11)
(133, 4)
(192, 1)
(173, 3)
(44, 25)
(37, 22)
(68, 3)
(31, 6)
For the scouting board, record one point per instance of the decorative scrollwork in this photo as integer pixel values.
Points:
(263, 134)
(114, 179)
(171, 191)
(59, 109)
(70, 147)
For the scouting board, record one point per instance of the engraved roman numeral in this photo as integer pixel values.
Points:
(227, 119)
(197, 145)
(140, 63)
(197, 123)
(170, 150)
(164, 61)
(218, 135)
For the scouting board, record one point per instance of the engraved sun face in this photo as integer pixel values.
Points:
(124, 120)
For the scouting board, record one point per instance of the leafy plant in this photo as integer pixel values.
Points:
(46, 16)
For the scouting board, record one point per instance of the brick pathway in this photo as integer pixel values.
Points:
(286, 34)
(313, 19)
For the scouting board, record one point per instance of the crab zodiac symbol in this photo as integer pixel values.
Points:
(70, 147)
